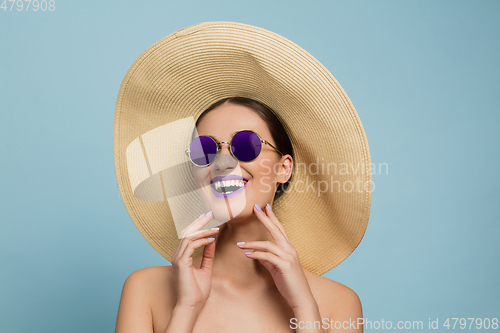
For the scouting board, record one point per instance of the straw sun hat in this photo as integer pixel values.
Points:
(326, 207)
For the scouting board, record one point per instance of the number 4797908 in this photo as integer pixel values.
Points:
(26, 5)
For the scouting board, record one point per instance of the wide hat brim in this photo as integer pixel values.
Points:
(182, 74)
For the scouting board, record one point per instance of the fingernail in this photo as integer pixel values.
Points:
(248, 253)
(269, 206)
(201, 216)
(258, 208)
(214, 229)
(240, 243)
(211, 238)
(210, 212)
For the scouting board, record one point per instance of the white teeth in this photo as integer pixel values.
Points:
(227, 183)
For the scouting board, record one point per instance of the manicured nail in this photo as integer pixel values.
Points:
(211, 238)
(201, 216)
(240, 243)
(210, 212)
(258, 208)
(269, 206)
(214, 229)
(248, 253)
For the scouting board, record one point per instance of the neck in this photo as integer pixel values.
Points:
(231, 265)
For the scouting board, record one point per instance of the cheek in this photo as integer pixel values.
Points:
(265, 170)
(199, 174)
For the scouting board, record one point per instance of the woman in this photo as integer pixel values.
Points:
(248, 277)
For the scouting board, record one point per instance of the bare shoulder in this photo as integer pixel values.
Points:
(154, 281)
(139, 296)
(334, 299)
(153, 274)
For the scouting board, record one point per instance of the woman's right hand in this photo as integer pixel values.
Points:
(194, 284)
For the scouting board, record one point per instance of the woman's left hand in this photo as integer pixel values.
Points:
(282, 261)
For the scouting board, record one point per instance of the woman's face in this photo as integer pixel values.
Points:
(258, 177)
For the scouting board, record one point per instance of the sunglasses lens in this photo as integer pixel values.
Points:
(203, 150)
(246, 146)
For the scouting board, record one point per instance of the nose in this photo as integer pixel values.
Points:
(224, 160)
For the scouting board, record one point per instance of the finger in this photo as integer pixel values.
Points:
(265, 263)
(195, 236)
(273, 229)
(270, 267)
(208, 256)
(197, 224)
(273, 218)
(264, 246)
(199, 232)
(192, 246)
(269, 257)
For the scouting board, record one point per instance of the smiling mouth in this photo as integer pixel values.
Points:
(228, 186)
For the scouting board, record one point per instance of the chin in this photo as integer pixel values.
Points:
(245, 214)
(225, 206)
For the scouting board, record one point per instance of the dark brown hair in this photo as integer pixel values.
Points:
(274, 125)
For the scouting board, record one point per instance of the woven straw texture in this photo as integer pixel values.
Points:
(184, 73)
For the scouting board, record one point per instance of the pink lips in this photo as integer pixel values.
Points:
(228, 177)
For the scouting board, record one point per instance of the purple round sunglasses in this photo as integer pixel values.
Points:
(245, 146)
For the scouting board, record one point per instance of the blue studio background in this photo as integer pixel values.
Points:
(423, 76)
